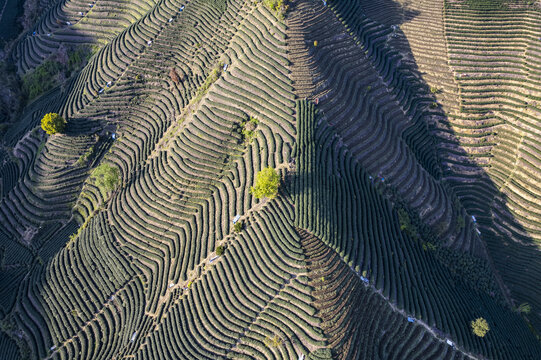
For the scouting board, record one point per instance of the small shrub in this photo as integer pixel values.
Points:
(405, 223)
(174, 76)
(480, 327)
(266, 184)
(440, 228)
(211, 78)
(52, 123)
(220, 250)
(274, 341)
(83, 159)
(434, 90)
(460, 223)
(524, 308)
(238, 226)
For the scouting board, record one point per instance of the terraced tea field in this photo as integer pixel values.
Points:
(406, 139)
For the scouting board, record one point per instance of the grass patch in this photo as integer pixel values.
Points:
(211, 79)
(83, 159)
(42, 79)
(55, 70)
(106, 177)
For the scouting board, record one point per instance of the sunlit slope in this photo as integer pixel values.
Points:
(185, 174)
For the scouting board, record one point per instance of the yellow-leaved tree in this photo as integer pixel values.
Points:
(480, 327)
(52, 123)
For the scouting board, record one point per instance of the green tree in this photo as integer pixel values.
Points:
(220, 250)
(106, 177)
(266, 183)
(238, 226)
(52, 123)
(480, 327)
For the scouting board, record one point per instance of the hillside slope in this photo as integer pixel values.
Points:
(368, 251)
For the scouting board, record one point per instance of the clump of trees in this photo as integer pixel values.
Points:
(246, 129)
(43, 78)
(279, 7)
(480, 327)
(106, 177)
(55, 70)
(266, 183)
(249, 127)
(11, 97)
(52, 123)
